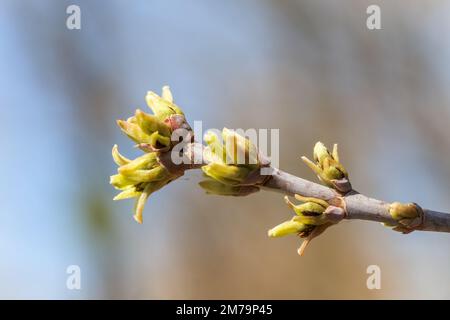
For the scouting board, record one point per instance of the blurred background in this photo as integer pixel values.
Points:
(310, 68)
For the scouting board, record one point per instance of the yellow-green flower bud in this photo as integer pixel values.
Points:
(144, 175)
(328, 168)
(231, 159)
(313, 217)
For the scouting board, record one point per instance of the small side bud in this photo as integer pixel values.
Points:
(408, 215)
(400, 210)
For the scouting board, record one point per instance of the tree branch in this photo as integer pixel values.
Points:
(235, 167)
(356, 205)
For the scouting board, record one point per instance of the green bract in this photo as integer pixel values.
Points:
(408, 216)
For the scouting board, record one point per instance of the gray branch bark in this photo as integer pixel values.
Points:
(357, 206)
